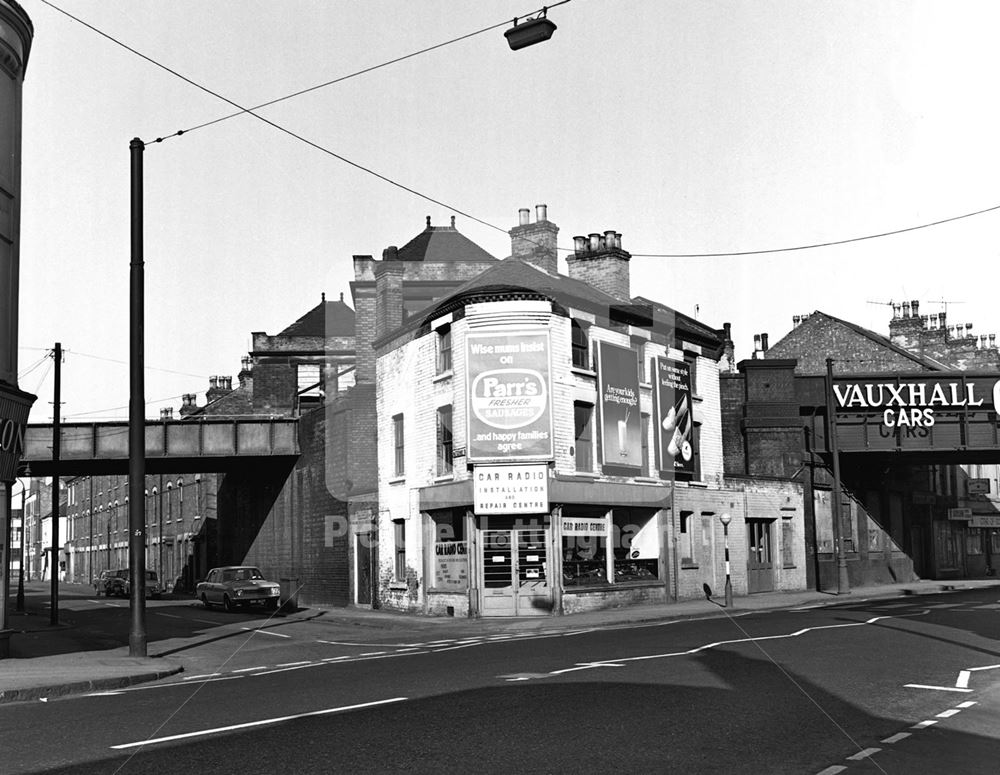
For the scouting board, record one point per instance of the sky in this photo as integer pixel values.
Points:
(691, 127)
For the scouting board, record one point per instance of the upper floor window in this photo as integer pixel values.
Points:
(398, 467)
(443, 349)
(692, 363)
(580, 344)
(444, 441)
(644, 425)
(584, 436)
(308, 379)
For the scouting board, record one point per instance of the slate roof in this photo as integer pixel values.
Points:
(442, 244)
(928, 363)
(328, 318)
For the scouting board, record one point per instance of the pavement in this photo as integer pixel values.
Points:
(50, 661)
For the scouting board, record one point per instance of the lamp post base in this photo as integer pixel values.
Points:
(729, 593)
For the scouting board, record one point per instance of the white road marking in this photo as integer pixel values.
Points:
(463, 646)
(966, 704)
(949, 713)
(963, 679)
(333, 659)
(985, 667)
(938, 688)
(249, 669)
(408, 648)
(371, 654)
(171, 616)
(864, 754)
(924, 724)
(196, 677)
(897, 737)
(369, 645)
(287, 669)
(265, 632)
(291, 664)
(249, 724)
(832, 770)
(207, 621)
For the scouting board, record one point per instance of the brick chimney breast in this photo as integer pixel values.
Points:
(601, 262)
(535, 242)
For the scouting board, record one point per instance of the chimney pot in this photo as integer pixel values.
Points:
(993, 340)
(609, 239)
(906, 309)
(579, 244)
(428, 221)
(391, 253)
(595, 242)
(763, 342)
(915, 305)
(541, 212)
(796, 320)
(895, 312)
(756, 341)
(728, 329)
(618, 240)
(213, 381)
(523, 216)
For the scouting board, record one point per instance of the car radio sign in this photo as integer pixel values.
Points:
(510, 407)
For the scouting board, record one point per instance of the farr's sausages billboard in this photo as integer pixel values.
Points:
(674, 420)
(510, 396)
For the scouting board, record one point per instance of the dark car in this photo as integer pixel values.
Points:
(153, 588)
(238, 585)
(105, 582)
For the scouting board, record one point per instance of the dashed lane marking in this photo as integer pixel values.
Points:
(897, 737)
(250, 724)
(250, 669)
(372, 654)
(968, 704)
(938, 688)
(949, 713)
(868, 752)
(832, 770)
(196, 677)
(924, 724)
(292, 664)
(170, 616)
(963, 679)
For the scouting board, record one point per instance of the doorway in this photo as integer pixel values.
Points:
(760, 556)
(514, 572)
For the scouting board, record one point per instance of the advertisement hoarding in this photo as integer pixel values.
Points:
(674, 418)
(618, 404)
(510, 396)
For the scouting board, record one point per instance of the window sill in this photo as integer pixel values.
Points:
(608, 586)
(398, 585)
(646, 385)
(444, 375)
(688, 565)
(788, 567)
(586, 474)
(397, 480)
(444, 478)
(583, 372)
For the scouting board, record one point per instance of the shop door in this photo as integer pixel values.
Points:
(515, 578)
(760, 556)
(363, 554)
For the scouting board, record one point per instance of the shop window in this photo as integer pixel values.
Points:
(444, 349)
(584, 436)
(644, 425)
(580, 344)
(995, 543)
(399, 549)
(451, 550)
(444, 441)
(584, 547)
(687, 538)
(398, 465)
(636, 545)
(974, 541)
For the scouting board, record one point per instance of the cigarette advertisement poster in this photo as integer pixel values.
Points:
(674, 420)
(621, 424)
(510, 408)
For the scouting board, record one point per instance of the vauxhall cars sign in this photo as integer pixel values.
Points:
(510, 401)
(953, 410)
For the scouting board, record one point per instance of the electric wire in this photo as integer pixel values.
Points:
(243, 110)
(126, 363)
(21, 375)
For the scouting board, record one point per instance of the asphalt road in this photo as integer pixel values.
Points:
(896, 686)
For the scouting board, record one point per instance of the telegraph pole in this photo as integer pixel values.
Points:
(137, 418)
(56, 438)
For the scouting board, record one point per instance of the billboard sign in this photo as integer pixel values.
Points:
(674, 418)
(618, 403)
(509, 395)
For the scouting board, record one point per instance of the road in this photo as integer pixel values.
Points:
(896, 686)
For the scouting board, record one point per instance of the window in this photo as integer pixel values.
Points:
(399, 548)
(584, 436)
(636, 544)
(580, 344)
(308, 379)
(687, 538)
(398, 468)
(644, 425)
(443, 349)
(584, 546)
(444, 441)
(787, 543)
(692, 362)
(696, 451)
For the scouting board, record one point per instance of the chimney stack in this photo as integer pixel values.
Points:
(600, 261)
(190, 404)
(535, 242)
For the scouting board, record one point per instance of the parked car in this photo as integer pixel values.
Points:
(105, 582)
(153, 588)
(237, 585)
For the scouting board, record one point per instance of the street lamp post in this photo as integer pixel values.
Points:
(725, 519)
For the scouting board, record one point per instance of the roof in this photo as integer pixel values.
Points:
(442, 245)
(328, 318)
(881, 341)
(513, 275)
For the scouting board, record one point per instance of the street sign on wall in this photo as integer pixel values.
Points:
(509, 395)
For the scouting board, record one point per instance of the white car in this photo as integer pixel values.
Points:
(238, 585)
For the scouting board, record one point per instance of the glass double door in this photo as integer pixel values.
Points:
(514, 572)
